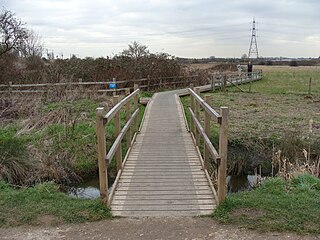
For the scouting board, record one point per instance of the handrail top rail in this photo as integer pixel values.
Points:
(108, 117)
(213, 113)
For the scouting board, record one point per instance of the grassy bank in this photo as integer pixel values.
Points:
(52, 140)
(275, 116)
(44, 204)
(277, 205)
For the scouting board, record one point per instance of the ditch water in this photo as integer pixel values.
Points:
(89, 188)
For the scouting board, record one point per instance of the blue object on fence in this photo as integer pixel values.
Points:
(112, 85)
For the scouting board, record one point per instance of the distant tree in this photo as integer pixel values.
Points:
(244, 56)
(269, 63)
(135, 50)
(32, 46)
(13, 32)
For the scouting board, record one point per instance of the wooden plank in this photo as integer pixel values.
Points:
(161, 213)
(164, 202)
(160, 188)
(157, 193)
(165, 197)
(162, 207)
(162, 184)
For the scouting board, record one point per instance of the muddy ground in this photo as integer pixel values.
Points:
(144, 228)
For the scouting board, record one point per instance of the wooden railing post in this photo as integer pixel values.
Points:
(213, 83)
(192, 107)
(206, 158)
(135, 103)
(117, 129)
(128, 116)
(223, 150)
(101, 147)
(148, 82)
(197, 112)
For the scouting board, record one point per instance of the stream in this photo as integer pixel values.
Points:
(89, 188)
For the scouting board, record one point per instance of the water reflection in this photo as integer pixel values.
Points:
(88, 189)
(242, 183)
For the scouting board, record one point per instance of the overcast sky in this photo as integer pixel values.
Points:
(184, 28)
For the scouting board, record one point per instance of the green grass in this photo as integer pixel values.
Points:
(277, 205)
(277, 113)
(45, 204)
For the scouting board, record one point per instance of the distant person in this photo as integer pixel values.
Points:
(250, 69)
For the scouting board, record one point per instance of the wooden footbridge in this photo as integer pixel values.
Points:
(163, 172)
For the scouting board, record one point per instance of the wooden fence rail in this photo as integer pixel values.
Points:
(116, 149)
(103, 87)
(198, 131)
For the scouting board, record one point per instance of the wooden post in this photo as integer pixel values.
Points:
(309, 90)
(213, 83)
(192, 107)
(197, 113)
(135, 103)
(206, 158)
(223, 150)
(128, 116)
(148, 83)
(224, 83)
(117, 129)
(101, 147)
(10, 87)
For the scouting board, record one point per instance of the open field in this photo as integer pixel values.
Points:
(276, 115)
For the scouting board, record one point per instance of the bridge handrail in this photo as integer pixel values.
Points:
(116, 149)
(197, 130)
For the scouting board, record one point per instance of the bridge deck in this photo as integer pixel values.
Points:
(163, 175)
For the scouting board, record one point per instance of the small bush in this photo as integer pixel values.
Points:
(293, 63)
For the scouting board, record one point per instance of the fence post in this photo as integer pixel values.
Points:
(117, 129)
(213, 83)
(198, 117)
(224, 83)
(223, 150)
(148, 83)
(101, 147)
(309, 90)
(128, 116)
(208, 99)
(135, 103)
(10, 87)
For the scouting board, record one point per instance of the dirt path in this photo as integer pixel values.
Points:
(144, 228)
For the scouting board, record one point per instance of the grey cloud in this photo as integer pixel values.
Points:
(211, 27)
